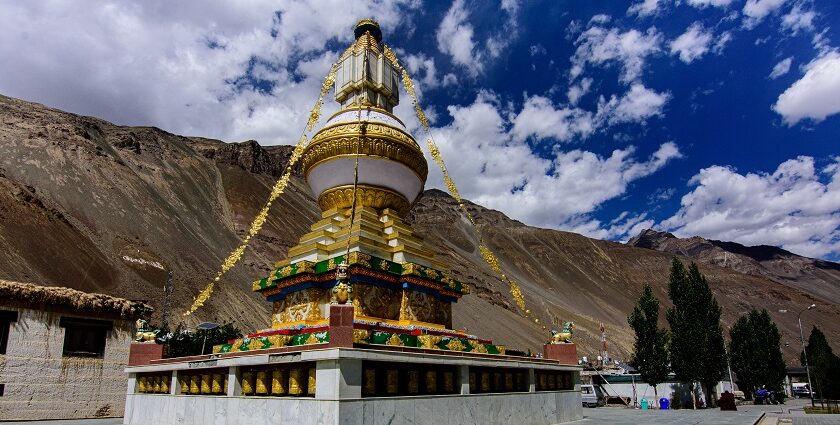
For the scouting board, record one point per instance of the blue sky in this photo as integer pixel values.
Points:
(717, 118)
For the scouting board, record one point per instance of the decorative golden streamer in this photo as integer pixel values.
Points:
(486, 253)
(276, 191)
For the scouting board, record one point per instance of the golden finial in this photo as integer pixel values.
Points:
(368, 25)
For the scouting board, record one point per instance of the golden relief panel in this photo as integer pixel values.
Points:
(410, 156)
(368, 196)
(376, 301)
(371, 129)
(300, 305)
(423, 307)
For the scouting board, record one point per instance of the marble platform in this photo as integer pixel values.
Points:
(339, 397)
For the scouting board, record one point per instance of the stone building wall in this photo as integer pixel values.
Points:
(42, 384)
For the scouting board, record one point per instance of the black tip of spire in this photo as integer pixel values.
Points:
(366, 25)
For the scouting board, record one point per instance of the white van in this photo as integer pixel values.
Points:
(591, 396)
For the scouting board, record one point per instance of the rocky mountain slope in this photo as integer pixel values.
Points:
(101, 207)
(819, 278)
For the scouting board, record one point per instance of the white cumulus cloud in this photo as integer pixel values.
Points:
(704, 3)
(798, 20)
(781, 68)
(456, 36)
(795, 207)
(601, 46)
(756, 10)
(693, 43)
(637, 105)
(557, 190)
(646, 8)
(816, 95)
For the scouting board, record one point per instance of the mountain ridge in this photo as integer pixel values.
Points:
(93, 206)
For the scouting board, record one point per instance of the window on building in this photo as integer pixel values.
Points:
(6, 320)
(84, 337)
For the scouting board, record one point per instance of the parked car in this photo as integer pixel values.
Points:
(801, 391)
(591, 396)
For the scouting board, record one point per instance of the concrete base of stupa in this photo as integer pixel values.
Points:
(382, 385)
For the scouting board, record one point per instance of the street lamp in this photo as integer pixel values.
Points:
(804, 352)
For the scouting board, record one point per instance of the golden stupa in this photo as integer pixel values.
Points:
(366, 170)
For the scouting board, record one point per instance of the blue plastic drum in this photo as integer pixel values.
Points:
(664, 403)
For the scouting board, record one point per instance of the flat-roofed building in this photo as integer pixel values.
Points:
(63, 352)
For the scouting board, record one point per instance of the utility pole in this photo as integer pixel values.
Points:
(604, 347)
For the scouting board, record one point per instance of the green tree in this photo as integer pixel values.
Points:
(823, 364)
(697, 350)
(756, 354)
(650, 350)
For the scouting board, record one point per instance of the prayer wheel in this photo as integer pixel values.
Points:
(413, 382)
(218, 382)
(248, 383)
(431, 381)
(485, 381)
(497, 381)
(225, 387)
(392, 381)
(543, 382)
(278, 382)
(552, 384)
(296, 381)
(262, 383)
(184, 382)
(508, 381)
(155, 384)
(473, 387)
(310, 389)
(164, 384)
(194, 384)
(205, 383)
(143, 384)
(520, 381)
(448, 382)
(370, 382)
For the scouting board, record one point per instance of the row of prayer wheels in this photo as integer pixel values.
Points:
(154, 384)
(205, 383)
(430, 381)
(485, 381)
(298, 381)
(554, 381)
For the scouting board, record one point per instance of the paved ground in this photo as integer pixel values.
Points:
(793, 414)
(745, 415)
(787, 414)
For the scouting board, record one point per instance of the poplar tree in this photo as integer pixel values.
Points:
(824, 365)
(697, 350)
(756, 354)
(650, 350)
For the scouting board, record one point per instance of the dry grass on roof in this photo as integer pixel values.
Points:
(44, 297)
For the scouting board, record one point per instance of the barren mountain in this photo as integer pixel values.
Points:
(100, 207)
(816, 277)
